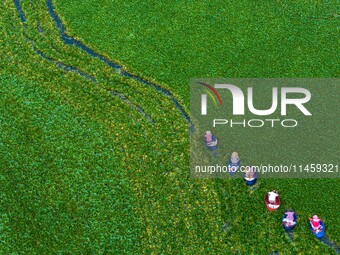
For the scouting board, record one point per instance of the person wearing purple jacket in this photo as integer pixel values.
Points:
(289, 220)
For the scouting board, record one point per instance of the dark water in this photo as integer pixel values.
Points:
(138, 109)
(290, 235)
(69, 68)
(20, 11)
(69, 40)
(40, 53)
(330, 244)
(65, 67)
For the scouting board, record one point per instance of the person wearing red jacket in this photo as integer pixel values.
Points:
(315, 223)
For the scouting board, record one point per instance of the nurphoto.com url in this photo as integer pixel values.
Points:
(268, 168)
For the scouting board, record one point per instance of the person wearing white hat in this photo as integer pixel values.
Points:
(250, 173)
(208, 137)
(315, 223)
(210, 140)
(234, 158)
(234, 163)
(272, 195)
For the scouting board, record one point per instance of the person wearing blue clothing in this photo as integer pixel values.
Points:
(250, 175)
(234, 163)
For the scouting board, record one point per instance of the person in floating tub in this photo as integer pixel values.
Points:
(234, 163)
(250, 175)
(315, 223)
(317, 227)
(210, 140)
(272, 200)
(289, 219)
(272, 195)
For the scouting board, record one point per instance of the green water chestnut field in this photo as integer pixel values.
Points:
(94, 126)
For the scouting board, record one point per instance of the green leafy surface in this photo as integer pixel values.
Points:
(82, 172)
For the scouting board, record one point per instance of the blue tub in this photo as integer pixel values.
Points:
(321, 233)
